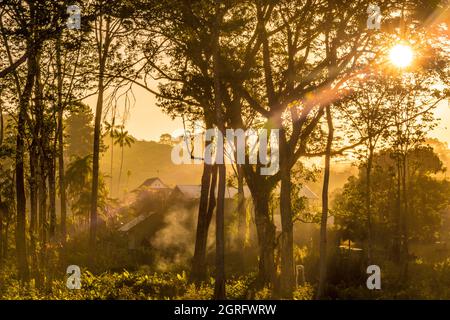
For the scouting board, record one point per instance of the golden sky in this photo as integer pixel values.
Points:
(147, 122)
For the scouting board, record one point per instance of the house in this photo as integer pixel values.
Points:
(154, 184)
(151, 195)
(141, 229)
(192, 192)
(153, 199)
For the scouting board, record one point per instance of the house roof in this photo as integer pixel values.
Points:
(149, 182)
(306, 192)
(133, 223)
(194, 191)
(189, 191)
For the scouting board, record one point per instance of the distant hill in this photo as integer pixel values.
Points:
(146, 159)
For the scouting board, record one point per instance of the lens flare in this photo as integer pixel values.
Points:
(401, 55)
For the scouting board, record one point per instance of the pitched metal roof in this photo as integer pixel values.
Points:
(308, 193)
(131, 224)
(194, 191)
(149, 182)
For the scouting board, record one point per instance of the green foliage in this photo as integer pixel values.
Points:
(79, 184)
(138, 285)
(428, 197)
(79, 131)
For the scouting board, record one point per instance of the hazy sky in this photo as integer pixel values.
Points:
(147, 121)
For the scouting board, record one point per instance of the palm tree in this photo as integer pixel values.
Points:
(79, 179)
(123, 139)
(112, 131)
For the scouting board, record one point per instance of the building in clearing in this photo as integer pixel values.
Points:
(192, 192)
(149, 204)
(153, 184)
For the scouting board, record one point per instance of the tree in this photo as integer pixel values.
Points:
(111, 25)
(428, 192)
(79, 131)
(112, 131)
(123, 139)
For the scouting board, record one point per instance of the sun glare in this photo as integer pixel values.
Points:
(401, 55)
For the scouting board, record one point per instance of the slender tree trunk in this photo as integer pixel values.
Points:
(219, 286)
(43, 199)
(397, 239)
(96, 155)
(19, 168)
(33, 195)
(323, 223)
(6, 239)
(265, 230)
(33, 229)
(287, 280)
(198, 271)
(369, 205)
(60, 135)
(405, 236)
(242, 218)
(104, 41)
(120, 171)
(52, 196)
(112, 158)
(43, 221)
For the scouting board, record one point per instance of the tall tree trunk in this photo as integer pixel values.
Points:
(369, 205)
(265, 230)
(287, 238)
(398, 237)
(199, 262)
(43, 199)
(33, 188)
(19, 168)
(405, 236)
(219, 286)
(120, 170)
(60, 135)
(112, 157)
(242, 218)
(96, 154)
(323, 223)
(33, 229)
(52, 196)
(103, 45)
(198, 271)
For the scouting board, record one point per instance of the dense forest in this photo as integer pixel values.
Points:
(348, 92)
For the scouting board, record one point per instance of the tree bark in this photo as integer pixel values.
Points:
(198, 271)
(265, 230)
(19, 168)
(287, 279)
(324, 219)
(96, 151)
(242, 217)
(52, 196)
(405, 235)
(60, 135)
(219, 286)
(369, 206)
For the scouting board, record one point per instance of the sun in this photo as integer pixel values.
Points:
(401, 55)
